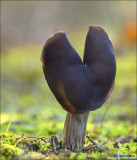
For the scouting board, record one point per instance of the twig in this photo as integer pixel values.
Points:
(108, 105)
(42, 138)
(94, 143)
(55, 141)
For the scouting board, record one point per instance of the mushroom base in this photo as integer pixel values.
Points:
(75, 130)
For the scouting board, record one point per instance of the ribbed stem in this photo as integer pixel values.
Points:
(75, 130)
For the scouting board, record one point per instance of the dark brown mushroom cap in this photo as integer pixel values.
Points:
(80, 86)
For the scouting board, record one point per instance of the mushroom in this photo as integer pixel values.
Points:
(79, 87)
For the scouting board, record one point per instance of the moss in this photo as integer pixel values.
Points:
(14, 146)
(97, 155)
(9, 151)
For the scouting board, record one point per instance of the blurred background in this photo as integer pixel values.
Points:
(26, 100)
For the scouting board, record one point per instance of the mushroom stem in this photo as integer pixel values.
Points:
(75, 130)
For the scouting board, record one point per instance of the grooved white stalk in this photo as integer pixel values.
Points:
(75, 130)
